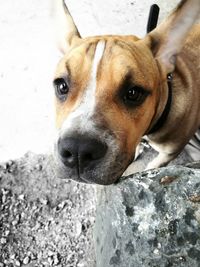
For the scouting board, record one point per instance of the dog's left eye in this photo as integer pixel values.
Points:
(135, 96)
(61, 88)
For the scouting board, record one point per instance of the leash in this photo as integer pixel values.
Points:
(151, 25)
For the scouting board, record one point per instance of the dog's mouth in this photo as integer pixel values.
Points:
(90, 177)
(102, 173)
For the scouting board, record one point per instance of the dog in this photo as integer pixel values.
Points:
(112, 91)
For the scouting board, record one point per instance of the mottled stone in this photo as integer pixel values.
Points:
(150, 219)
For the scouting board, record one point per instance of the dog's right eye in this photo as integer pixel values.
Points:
(61, 88)
(135, 96)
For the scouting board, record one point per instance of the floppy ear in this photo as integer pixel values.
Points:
(167, 39)
(66, 31)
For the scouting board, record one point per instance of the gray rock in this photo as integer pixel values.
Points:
(150, 219)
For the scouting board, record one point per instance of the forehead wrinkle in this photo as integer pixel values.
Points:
(115, 67)
(83, 53)
(120, 47)
(141, 71)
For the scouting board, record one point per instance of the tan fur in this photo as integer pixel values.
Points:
(184, 118)
(147, 62)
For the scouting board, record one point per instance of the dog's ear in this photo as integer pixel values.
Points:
(66, 31)
(167, 39)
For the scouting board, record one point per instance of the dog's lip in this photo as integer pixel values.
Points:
(86, 177)
(98, 181)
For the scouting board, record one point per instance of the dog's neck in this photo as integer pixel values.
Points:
(162, 119)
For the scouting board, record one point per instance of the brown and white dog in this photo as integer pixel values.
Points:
(112, 90)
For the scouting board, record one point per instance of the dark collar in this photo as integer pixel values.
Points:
(161, 121)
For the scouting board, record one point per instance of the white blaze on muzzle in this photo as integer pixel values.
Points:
(80, 120)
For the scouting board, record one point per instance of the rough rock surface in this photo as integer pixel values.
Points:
(44, 221)
(150, 219)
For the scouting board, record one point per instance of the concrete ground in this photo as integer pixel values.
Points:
(28, 57)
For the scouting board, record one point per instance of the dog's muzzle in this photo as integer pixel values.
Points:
(94, 158)
(81, 155)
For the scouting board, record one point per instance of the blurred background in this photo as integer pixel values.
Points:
(28, 57)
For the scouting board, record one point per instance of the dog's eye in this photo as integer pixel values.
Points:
(61, 88)
(135, 96)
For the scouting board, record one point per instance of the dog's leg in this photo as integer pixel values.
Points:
(161, 160)
(140, 148)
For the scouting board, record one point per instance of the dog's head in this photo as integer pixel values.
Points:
(110, 90)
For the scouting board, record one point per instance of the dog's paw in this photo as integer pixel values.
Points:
(160, 161)
(152, 165)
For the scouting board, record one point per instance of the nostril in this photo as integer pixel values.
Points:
(66, 154)
(68, 158)
(91, 151)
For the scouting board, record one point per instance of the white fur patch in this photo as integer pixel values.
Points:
(88, 102)
(80, 119)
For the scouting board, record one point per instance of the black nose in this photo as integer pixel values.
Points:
(80, 151)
